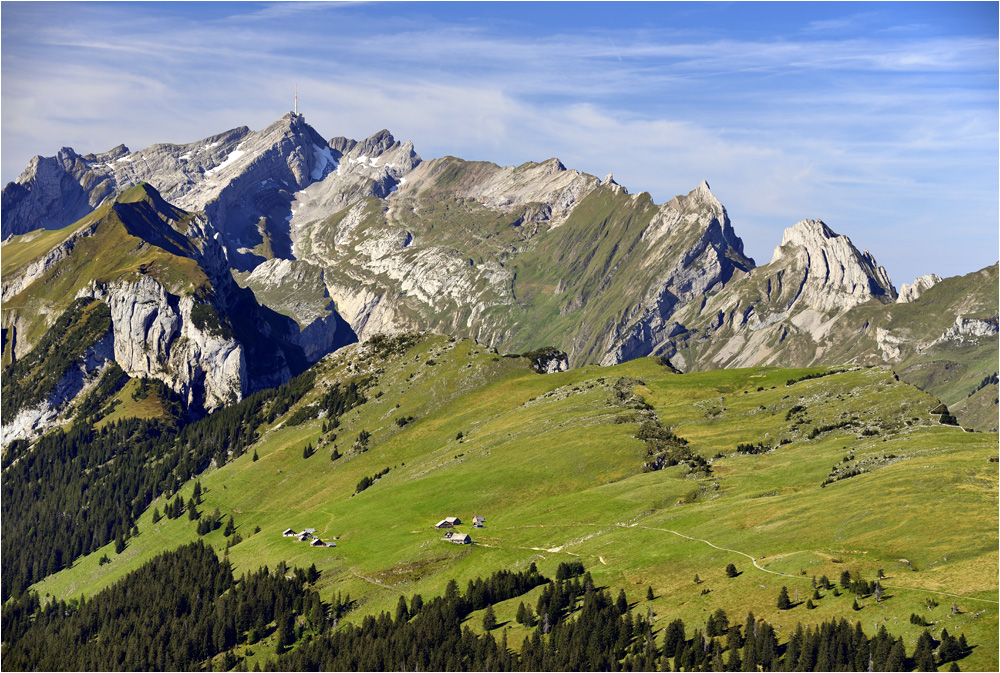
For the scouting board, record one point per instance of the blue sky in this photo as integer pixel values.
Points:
(879, 118)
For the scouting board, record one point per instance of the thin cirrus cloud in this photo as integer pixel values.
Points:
(881, 127)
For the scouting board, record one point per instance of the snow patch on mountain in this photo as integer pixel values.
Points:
(233, 157)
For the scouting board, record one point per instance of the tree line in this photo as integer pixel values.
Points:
(74, 491)
(184, 610)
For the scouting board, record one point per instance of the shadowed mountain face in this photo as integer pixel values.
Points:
(346, 237)
(173, 313)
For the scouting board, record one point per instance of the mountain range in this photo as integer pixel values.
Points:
(244, 377)
(232, 263)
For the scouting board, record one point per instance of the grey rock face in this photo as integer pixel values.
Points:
(297, 289)
(970, 329)
(837, 275)
(908, 293)
(34, 421)
(55, 191)
(156, 337)
(375, 167)
(785, 312)
(713, 255)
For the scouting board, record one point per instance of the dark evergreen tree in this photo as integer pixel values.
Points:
(312, 574)
(897, 657)
(731, 570)
(621, 602)
(923, 654)
(489, 618)
(402, 613)
(784, 602)
(520, 616)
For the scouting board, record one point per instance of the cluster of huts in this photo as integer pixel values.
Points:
(308, 535)
(448, 524)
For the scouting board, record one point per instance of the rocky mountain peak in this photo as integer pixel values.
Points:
(908, 293)
(837, 272)
(700, 198)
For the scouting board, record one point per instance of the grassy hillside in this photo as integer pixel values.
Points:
(553, 463)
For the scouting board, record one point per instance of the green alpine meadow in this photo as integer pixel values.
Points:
(793, 476)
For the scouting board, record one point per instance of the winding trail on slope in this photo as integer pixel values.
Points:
(774, 572)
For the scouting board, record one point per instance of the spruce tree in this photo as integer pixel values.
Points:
(923, 654)
(897, 656)
(156, 515)
(783, 601)
(721, 621)
(621, 602)
(731, 570)
(255, 456)
(649, 594)
(402, 613)
(489, 619)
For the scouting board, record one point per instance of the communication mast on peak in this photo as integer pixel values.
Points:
(295, 110)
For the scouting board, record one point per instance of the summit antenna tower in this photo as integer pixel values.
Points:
(296, 100)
